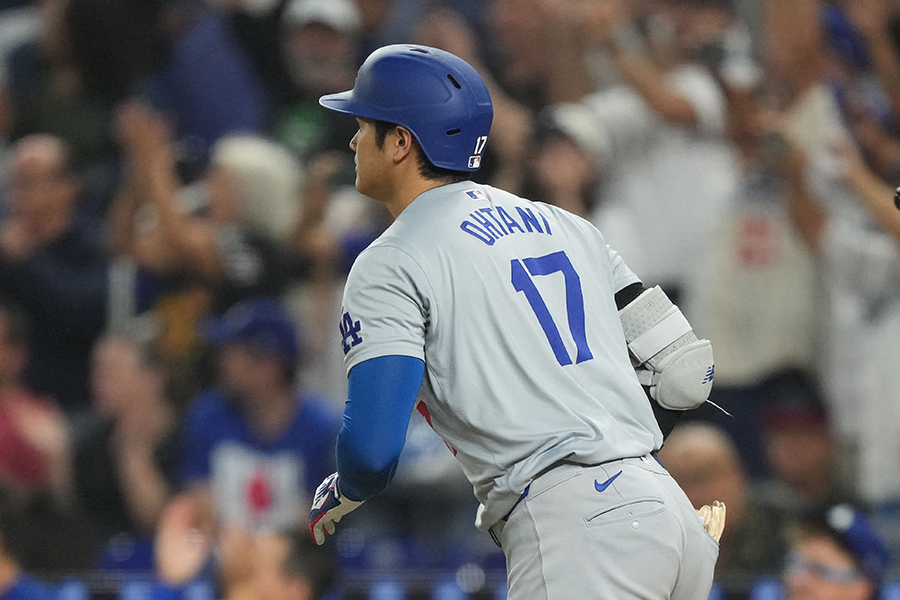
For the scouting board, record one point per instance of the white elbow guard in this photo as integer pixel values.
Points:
(677, 367)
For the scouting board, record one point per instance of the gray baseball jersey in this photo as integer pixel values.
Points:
(510, 303)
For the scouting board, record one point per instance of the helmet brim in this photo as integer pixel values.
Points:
(343, 102)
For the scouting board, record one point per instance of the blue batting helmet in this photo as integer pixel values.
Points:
(439, 97)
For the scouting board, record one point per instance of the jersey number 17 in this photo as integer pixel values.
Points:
(523, 272)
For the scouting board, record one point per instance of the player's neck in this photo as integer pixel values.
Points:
(405, 196)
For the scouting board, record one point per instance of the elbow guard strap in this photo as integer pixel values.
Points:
(676, 366)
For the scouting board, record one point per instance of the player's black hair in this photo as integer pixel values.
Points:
(426, 169)
(308, 561)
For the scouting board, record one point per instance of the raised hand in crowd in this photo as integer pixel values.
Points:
(184, 540)
(146, 142)
(612, 24)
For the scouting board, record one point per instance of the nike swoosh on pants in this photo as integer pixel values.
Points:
(602, 486)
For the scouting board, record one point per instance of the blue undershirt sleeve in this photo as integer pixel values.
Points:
(381, 395)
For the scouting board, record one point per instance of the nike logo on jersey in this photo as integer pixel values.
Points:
(601, 487)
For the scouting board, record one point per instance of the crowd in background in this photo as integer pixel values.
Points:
(177, 217)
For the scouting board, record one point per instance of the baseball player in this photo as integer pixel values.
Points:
(514, 330)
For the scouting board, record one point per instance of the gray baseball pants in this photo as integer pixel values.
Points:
(617, 531)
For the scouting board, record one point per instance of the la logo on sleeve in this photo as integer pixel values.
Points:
(349, 332)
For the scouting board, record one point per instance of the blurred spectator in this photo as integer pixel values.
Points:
(116, 45)
(835, 554)
(846, 217)
(286, 565)
(802, 454)
(543, 51)
(54, 265)
(658, 140)
(213, 243)
(283, 566)
(318, 40)
(126, 450)
(179, 56)
(15, 584)
(207, 85)
(37, 537)
(254, 450)
(265, 180)
(34, 442)
(202, 247)
(48, 94)
(865, 78)
(386, 22)
(705, 464)
(759, 298)
(256, 25)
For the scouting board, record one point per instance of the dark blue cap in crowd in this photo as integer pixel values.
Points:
(263, 324)
(855, 531)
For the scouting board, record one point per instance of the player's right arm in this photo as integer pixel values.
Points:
(381, 395)
(383, 330)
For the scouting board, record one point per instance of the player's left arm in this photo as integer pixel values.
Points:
(381, 395)
(665, 418)
(671, 361)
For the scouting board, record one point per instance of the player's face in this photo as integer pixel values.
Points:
(372, 162)
(820, 570)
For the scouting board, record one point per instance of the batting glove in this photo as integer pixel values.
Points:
(713, 519)
(328, 508)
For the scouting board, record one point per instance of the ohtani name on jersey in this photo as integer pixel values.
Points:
(494, 222)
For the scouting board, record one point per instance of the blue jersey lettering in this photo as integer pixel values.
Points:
(486, 224)
(509, 221)
(529, 219)
(490, 212)
(474, 230)
(546, 224)
(489, 224)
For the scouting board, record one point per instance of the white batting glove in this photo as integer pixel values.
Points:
(713, 519)
(328, 508)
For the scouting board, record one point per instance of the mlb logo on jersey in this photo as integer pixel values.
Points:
(476, 195)
(474, 162)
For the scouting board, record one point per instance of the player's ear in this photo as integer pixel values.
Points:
(403, 143)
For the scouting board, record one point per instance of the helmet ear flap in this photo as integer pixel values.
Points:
(438, 97)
